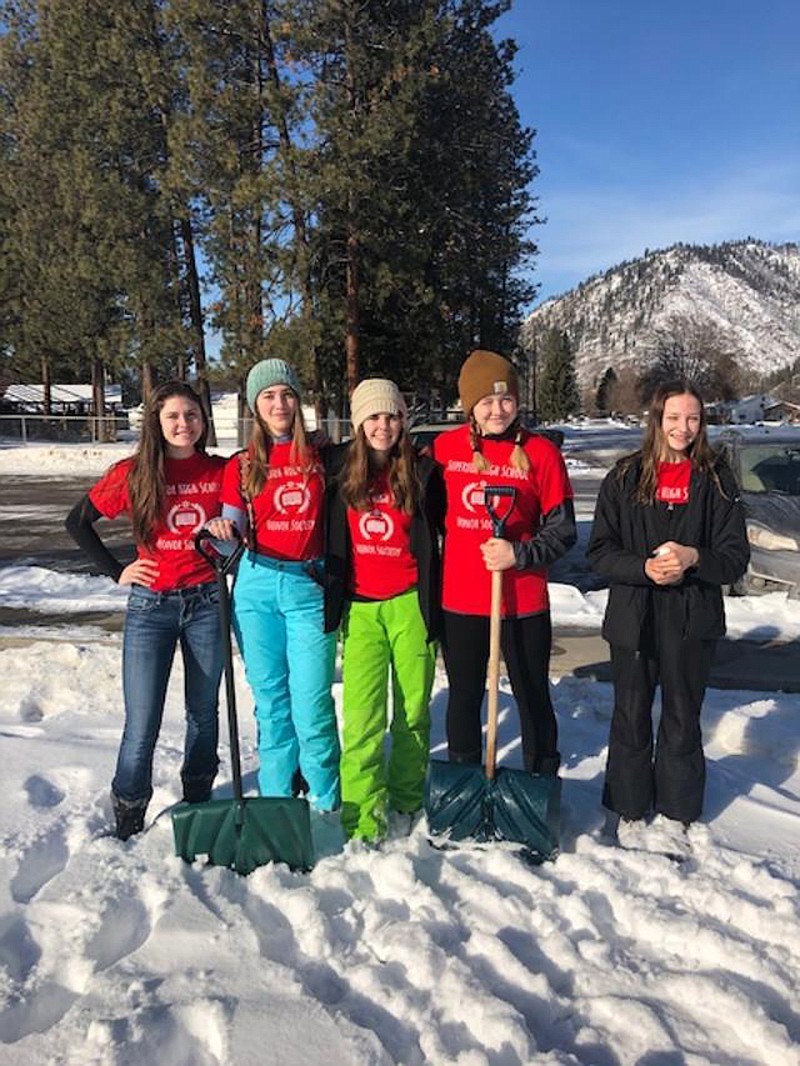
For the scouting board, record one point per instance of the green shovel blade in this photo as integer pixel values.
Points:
(516, 806)
(245, 834)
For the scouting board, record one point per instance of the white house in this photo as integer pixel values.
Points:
(65, 399)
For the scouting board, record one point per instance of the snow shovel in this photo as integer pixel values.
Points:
(489, 803)
(242, 833)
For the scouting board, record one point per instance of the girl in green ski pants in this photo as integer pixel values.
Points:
(384, 510)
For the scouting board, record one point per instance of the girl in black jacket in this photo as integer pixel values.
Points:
(668, 532)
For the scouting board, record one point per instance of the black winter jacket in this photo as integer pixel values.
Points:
(426, 525)
(625, 533)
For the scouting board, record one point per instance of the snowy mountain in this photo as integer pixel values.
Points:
(747, 291)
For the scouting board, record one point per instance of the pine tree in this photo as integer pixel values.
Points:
(604, 391)
(91, 230)
(558, 389)
(354, 173)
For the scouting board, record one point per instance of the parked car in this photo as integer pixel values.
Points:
(424, 434)
(766, 462)
(136, 417)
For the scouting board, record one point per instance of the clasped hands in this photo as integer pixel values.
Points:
(669, 562)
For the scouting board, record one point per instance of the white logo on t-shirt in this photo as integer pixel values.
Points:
(375, 525)
(473, 497)
(186, 517)
(292, 496)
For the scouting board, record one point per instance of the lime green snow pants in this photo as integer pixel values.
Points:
(378, 635)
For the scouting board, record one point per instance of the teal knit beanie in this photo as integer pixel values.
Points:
(267, 373)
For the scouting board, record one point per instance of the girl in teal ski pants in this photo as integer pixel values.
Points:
(273, 494)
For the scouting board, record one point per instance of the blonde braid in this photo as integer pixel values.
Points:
(479, 459)
(519, 457)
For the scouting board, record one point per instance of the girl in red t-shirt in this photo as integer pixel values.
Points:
(493, 449)
(385, 506)
(170, 488)
(273, 496)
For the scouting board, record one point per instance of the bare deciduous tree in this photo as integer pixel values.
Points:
(695, 350)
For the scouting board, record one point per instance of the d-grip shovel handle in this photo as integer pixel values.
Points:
(498, 528)
(222, 564)
(498, 520)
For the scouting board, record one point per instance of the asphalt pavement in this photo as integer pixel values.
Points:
(770, 666)
(32, 533)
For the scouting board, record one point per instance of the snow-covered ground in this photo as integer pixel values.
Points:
(122, 954)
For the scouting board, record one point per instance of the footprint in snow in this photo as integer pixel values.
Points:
(124, 928)
(19, 952)
(42, 793)
(29, 1006)
(46, 858)
(35, 1012)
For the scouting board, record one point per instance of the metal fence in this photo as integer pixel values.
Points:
(73, 429)
(86, 429)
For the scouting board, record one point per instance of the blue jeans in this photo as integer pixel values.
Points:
(154, 625)
(289, 660)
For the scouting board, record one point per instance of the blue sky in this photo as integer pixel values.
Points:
(657, 122)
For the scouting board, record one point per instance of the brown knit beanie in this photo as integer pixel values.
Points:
(375, 396)
(484, 374)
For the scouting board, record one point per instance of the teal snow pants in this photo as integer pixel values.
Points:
(289, 662)
(379, 636)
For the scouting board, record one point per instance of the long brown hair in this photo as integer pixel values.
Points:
(147, 484)
(260, 446)
(654, 446)
(361, 472)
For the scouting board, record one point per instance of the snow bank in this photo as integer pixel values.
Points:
(117, 953)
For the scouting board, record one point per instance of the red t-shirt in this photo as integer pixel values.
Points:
(672, 482)
(288, 510)
(467, 582)
(193, 497)
(383, 565)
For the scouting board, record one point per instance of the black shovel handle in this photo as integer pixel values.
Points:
(498, 520)
(222, 565)
(204, 543)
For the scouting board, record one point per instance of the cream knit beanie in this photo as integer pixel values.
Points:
(375, 396)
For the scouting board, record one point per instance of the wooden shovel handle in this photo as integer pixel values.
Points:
(494, 672)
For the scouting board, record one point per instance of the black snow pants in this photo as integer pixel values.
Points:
(673, 782)
(526, 644)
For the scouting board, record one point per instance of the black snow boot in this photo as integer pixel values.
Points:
(299, 784)
(129, 816)
(197, 789)
(546, 766)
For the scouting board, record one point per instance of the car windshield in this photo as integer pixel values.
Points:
(771, 468)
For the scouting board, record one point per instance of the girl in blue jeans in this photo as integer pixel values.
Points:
(170, 488)
(273, 495)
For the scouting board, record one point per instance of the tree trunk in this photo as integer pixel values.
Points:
(351, 270)
(47, 388)
(99, 400)
(148, 381)
(244, 415)
(298, 221)
(351, 312)
(196, 317)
